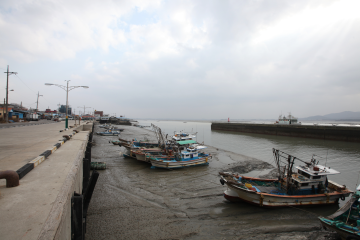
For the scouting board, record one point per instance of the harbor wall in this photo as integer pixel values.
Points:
(350, 134)
(41, 206)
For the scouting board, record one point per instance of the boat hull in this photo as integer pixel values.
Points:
(272, 200)
(141, 157)
(179, 164)
(231, 196)
(344, 233)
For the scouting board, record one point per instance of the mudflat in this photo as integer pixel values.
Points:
(133, 201)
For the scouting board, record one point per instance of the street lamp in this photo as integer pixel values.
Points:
(67, 89)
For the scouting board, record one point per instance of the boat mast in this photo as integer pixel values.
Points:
(287, 168)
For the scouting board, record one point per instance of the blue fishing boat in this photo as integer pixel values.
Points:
(186, 158)
(346, 220)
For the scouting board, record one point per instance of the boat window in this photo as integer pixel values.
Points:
(316, 177)
(305, 184)
(304, 173)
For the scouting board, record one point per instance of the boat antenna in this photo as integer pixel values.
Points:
(203, 136)
(326, 156)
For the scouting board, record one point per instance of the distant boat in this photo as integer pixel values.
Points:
(183, 136)
(108, 133)
(289, 120)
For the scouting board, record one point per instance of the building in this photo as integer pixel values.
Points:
(49, 111)
(62, 109)
(3, 110)
(99, 113)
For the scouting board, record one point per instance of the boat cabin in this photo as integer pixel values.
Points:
(288, 120)
(312, 179)
(188, 154)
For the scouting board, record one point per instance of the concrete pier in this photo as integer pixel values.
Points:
(338, 133)
(40, 207)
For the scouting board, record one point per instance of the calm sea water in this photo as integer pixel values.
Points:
(342, 156)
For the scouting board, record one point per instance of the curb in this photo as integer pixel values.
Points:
(42, 157)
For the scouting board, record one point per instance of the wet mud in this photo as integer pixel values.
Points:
(133, 201)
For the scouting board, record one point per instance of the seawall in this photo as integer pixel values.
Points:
(350, 134)
(43, 205)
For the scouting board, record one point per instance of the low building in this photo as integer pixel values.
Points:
(3, 110)
(101, 113)
(49, 111)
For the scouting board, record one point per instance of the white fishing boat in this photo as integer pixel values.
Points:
(309, 185)
(183, 136)
(289, 120)
(108, 133)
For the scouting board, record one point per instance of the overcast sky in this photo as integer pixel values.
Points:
(184, 59)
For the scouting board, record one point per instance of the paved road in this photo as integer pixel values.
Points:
(19, 145)
(22, 124)
(39, 207)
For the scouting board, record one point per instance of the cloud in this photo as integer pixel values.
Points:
(243, 59)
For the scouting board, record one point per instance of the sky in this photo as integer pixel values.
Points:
(191, 59)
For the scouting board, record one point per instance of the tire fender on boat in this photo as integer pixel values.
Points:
(342, 199)
(222, 181)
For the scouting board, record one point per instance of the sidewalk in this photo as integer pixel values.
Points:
(19, 145)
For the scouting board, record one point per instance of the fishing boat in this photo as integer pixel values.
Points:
(143, 152)
(183, 136)
(129, 154)
(108, 133)
(105, 126)
(289, 120)
(105, 118)
(116, 142)
(308, 185)
(346, 220)
(114, 128)
(186, 158)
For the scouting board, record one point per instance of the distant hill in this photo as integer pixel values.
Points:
(347, 115)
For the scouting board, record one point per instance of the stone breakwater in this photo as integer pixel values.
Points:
(349, 134)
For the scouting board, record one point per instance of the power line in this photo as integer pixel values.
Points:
(30, 88)
(25, 83)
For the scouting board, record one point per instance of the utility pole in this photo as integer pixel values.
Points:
(7, 92)
(37, 102)
(3, 109)
(84, 108)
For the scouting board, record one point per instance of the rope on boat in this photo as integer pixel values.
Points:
(304, 210)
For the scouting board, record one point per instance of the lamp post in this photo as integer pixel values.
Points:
(67, 89)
